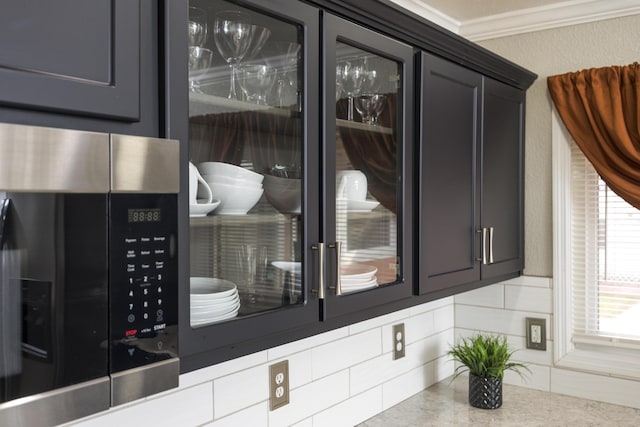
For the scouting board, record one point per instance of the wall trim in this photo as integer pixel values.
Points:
(546, 17)
(571, 12)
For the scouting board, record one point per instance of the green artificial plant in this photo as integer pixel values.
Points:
(485, 356)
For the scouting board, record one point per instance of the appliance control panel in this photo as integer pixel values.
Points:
(143, 283)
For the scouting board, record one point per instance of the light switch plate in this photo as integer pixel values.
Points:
(536, 333)
(278, 385)
(398, 341)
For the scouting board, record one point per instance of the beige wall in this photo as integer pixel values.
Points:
(549, 52)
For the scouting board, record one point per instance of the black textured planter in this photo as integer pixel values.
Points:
(485, 393)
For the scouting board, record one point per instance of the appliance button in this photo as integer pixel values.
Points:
(145, 316)
(159, 315)
(131, 318)
(159, 266)
(159, 252)
(131, 254)
(145, 266)
(145, 239)
(145, 252)
(131, 268)
(130, 240)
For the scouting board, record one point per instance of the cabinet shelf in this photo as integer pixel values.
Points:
(350, 124)
(201, 104)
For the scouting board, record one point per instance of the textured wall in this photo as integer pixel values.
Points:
(556, 51)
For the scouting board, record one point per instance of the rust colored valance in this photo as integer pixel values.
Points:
(600, 108)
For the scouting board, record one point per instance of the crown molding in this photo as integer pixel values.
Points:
(545, 17)
(424, 10)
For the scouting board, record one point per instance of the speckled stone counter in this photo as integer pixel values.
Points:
(446, 404)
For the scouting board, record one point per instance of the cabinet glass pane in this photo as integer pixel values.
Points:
(368, 111)
(245, 142)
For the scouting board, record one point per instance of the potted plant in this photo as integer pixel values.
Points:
(486, 357)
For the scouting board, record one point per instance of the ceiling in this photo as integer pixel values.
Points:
(484, 19)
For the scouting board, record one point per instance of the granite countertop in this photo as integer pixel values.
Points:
(446, 404)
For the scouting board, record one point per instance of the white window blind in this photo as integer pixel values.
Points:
(605, 240)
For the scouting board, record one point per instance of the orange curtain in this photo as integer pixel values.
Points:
(600, 108)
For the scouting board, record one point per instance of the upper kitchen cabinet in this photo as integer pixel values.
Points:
(80, 58)
(367, 168)
(252, 186)
(471, 178)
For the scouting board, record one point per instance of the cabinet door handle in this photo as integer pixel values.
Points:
(483, 258)
(490, 245)
(338, 247)
(320, 248)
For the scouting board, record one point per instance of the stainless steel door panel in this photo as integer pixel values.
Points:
(41, 159)
(148, 165)
(58, 406)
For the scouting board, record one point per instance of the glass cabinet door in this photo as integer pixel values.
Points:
(368, 163)
(249, 100)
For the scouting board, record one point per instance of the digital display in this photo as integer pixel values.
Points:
(144, 215)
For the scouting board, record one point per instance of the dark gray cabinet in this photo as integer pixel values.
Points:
(74, 56)
(470, 216)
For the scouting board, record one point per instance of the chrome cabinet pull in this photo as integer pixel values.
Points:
(320, 248)
(490, 245)
(483, 258)
(338, 248)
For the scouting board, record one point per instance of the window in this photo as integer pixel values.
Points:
(596, 269)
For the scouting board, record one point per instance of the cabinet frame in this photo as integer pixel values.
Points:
(336, 29)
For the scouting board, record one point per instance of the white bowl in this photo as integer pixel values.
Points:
(216, 312)
(234, 200)
(285, 194)
(232, 171)
(222, 179)
(358, 271)
(211, 288)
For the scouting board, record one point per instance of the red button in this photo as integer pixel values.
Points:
(130, 332)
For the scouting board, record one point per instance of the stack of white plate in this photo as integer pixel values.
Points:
(358, 277)
(213, 300)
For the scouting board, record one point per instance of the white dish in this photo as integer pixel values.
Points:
(362, 285)
(358, 271)
(229, 170)
(202, 209)
(361, 205)
(356, 281)
(235, 200)
(214, 320)
(222, 179)
(211, 314)
(290, 266)
(210, 288)
(362, 288)
(199, 304)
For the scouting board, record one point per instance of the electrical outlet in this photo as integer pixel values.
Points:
(278, 384)
(398, 341)
(536, 333)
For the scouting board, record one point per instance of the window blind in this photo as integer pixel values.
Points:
(605, 239)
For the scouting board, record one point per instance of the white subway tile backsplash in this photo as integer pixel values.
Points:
(345, 352)
(311, 399)
(352, 411)
(443, 318)
(186, 407)
(284, 350)
(494, 320)
(488, 296)
(379, 321)
(254, 416)
(431, 305)
(241, 389)
(406, 385)
(382, 369)
(542, 282)
(538, 379)
(526, 298)
(221, 369)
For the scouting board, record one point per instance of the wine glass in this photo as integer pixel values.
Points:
(199, 62)
(256, 79)
(285, 57)
(350, 74)
(197, 26)
(232, 32)
(378, 102)
(369, 106)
